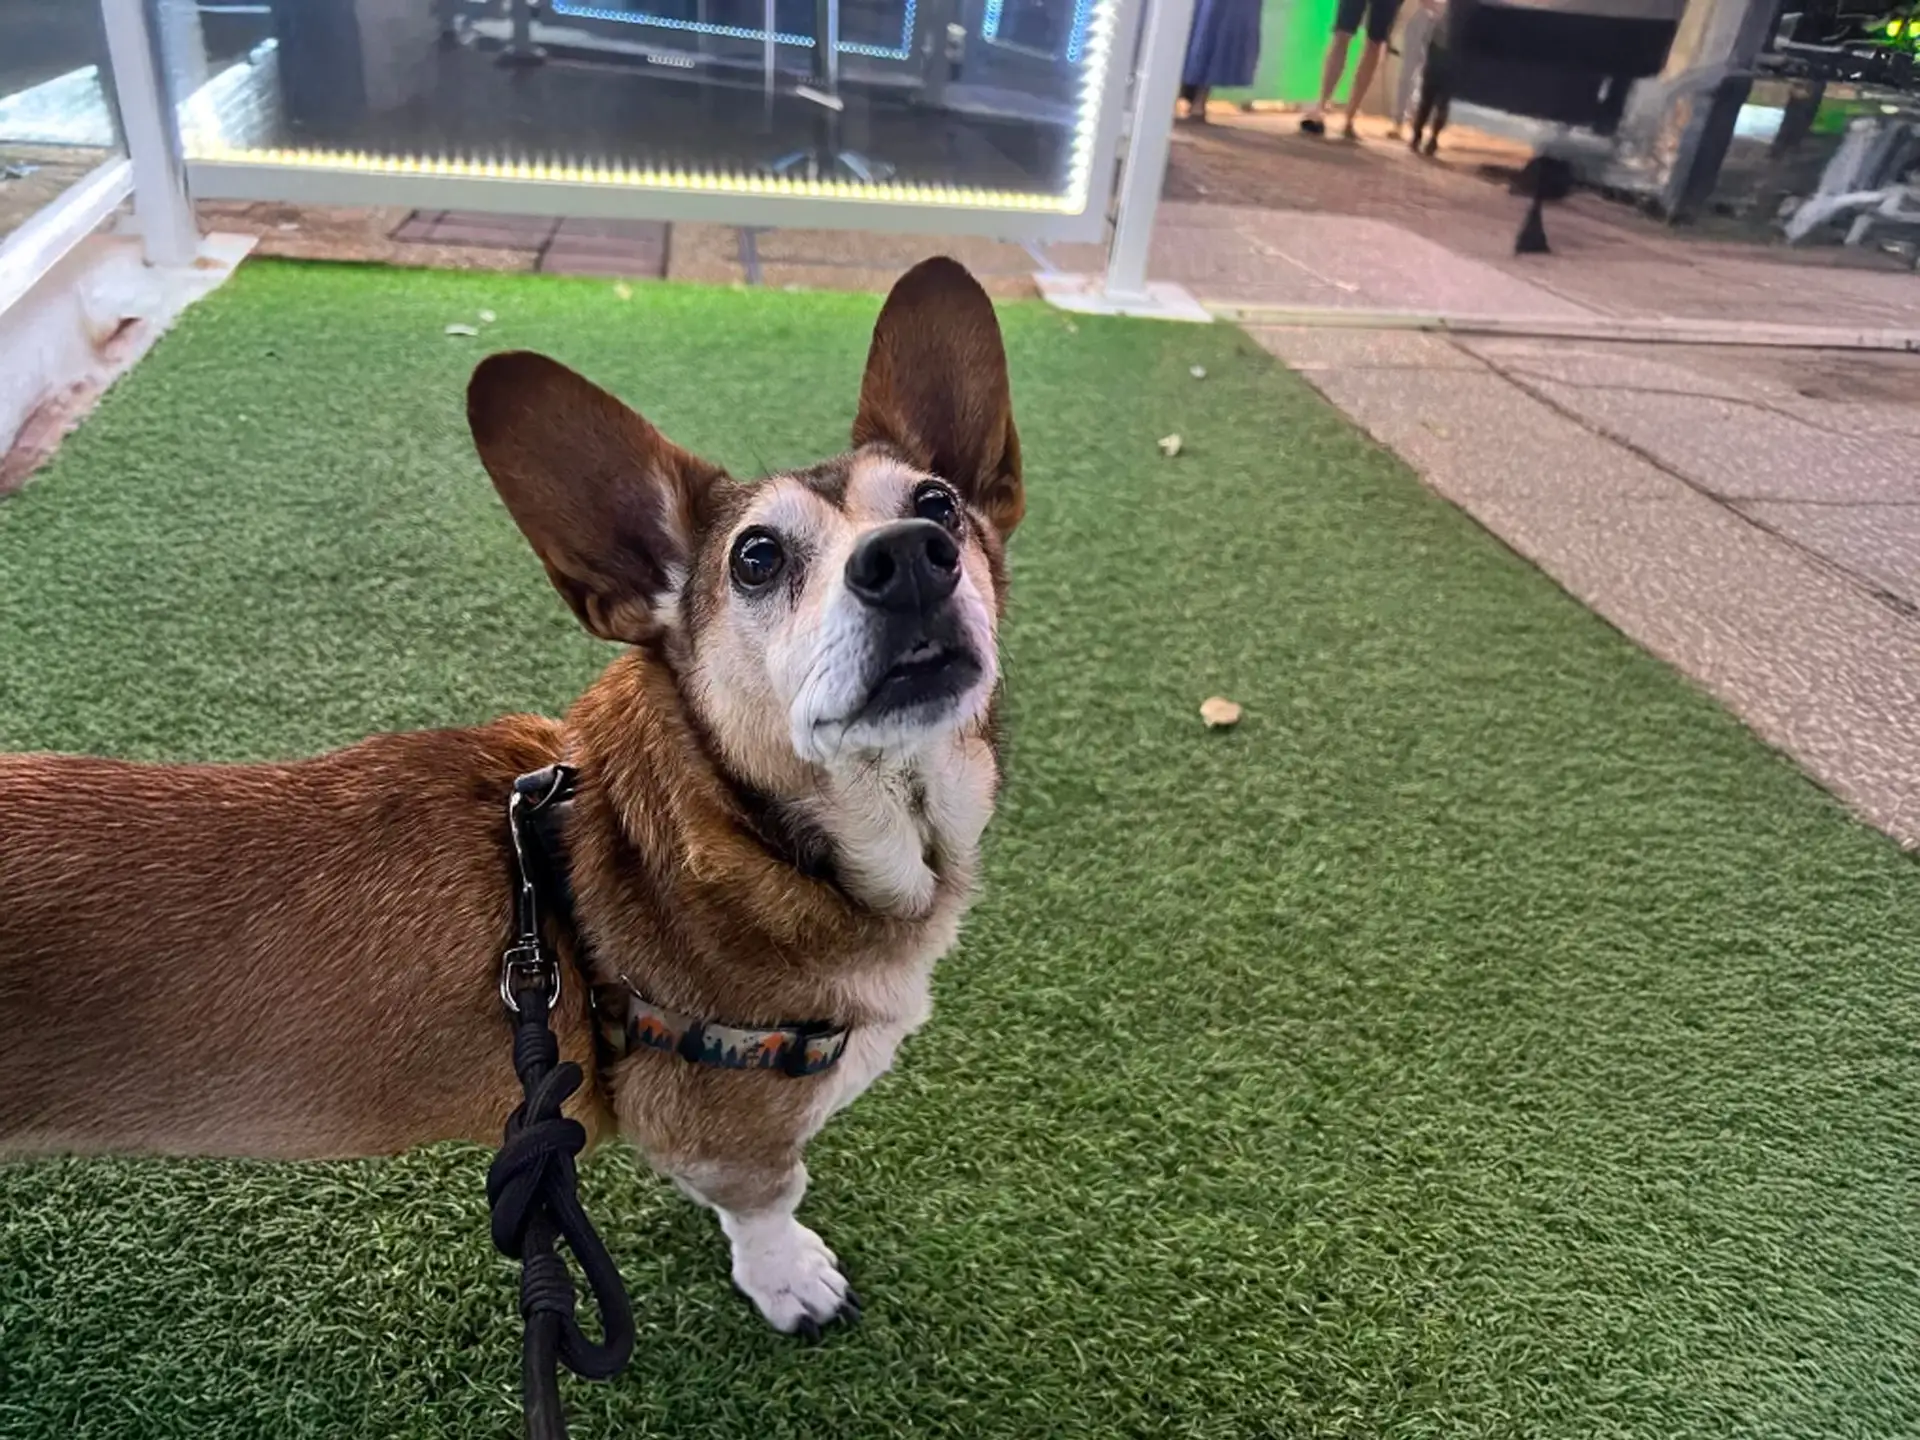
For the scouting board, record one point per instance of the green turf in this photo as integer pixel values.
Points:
(1488, 1038)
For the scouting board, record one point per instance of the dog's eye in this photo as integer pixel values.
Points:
(937, 503)
(758, 559)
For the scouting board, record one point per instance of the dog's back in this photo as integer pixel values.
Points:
(271, 960)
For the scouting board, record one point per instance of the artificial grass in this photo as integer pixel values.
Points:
(1489, 1037)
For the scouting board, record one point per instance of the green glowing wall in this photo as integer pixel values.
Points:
(1293, 43)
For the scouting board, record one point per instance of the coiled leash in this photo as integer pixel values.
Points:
(532, 1185)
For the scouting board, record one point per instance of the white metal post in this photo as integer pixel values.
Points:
(1156, 85)
(160, 200)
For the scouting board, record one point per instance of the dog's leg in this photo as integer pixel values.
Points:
(778, 1263)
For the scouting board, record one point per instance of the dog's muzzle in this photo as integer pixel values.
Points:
(905, 575)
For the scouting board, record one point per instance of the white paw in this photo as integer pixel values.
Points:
(790, 1274)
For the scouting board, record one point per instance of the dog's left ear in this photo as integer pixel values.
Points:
(936, 389)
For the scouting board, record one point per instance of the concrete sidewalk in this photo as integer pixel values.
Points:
(1248, 255)
(1752, 517)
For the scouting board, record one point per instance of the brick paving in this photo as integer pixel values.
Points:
(448, 239)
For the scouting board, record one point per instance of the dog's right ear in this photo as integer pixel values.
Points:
(613, 508)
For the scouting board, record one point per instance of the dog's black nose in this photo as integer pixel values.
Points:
(908, 565)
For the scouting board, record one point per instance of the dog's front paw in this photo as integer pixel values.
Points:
(792, 1277)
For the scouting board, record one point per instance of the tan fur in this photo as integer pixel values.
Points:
(668, 872)
(270, 960)
(300, 960)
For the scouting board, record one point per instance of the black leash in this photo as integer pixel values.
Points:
(532, 1185)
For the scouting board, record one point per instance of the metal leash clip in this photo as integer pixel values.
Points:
(527, 966)
(526, 963)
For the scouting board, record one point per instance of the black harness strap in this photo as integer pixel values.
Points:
(532, 1185)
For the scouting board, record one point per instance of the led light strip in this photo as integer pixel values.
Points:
(641, 177)
(1098, 50)
(205, 147)
(741, 32)
(1077, 37)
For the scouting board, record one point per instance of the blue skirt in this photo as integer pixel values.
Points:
(1224, 48)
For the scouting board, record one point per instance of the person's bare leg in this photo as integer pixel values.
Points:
(1198, 111)
(1330, 73)
(1362, 78)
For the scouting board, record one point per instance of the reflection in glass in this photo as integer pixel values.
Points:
(56, 122)
(934, 102)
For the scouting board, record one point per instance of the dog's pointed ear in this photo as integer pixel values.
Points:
(612, 507)
(936, 389)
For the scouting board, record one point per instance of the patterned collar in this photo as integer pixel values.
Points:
(794, 1049)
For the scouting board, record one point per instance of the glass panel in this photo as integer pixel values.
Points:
(988, 103)
(56, 121)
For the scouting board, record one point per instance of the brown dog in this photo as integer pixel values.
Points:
(782, 786)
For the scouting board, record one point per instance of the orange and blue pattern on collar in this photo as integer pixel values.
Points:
(796, 1050)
